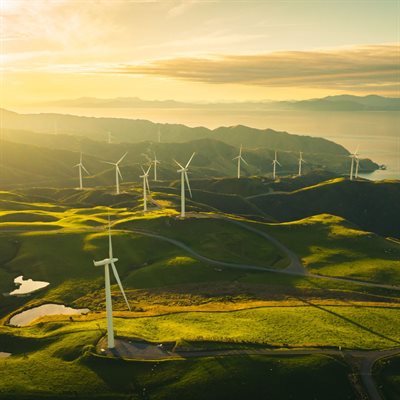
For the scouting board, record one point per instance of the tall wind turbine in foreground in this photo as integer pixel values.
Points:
(184, 177)
(301, 161)
(117, 170)
(106, 264)
(155, 162)
(274, 162)
(354, 158)
(81, 167)
(146, 187)
(239, 158)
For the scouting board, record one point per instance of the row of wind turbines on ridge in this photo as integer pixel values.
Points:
(354, 168)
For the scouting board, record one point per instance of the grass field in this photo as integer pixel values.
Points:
(176, 297)
(63, 366)
(329, 245)
(387, 375)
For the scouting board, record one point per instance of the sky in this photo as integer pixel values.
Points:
(197, 51)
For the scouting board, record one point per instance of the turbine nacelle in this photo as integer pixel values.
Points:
(106, 261)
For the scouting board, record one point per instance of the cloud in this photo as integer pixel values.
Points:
(363, 68)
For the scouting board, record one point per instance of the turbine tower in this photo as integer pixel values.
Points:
(81, 167)
(106, 264)
(146, 187)
(357, 166)
(354, 157)
(239, 158)
(184, 177)
(155, 162)
(274, 165)
(301, 161)
(117, 171)
(110, 137)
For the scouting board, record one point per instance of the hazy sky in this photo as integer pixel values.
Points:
(197, 50)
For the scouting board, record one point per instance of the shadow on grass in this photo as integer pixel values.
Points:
(346, 319)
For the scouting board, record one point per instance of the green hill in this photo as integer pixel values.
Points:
(30, 158)
(126, 130)
(373, 206)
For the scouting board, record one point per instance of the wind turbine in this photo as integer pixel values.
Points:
(81, 167)
(106, 264)
(159, 135)
(357, 166)
(274, 162)
(155, 162)
(117, 170)
(110, 137)
(301, 161)
(184, 177)
(146, 187)
(354, 157)
(239, 158)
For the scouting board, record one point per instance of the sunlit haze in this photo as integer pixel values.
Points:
(197, 50)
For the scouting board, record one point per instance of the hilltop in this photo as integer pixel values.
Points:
(31, 158)
(373, 206)
(132, 131)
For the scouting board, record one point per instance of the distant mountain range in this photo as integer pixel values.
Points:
(133, 131)
(41, 149)
(330, 103)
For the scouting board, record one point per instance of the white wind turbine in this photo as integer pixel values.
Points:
(184, 177)
(155, 162)
(110, 137)
(117, 170)
(81, 167)
(159, 135)
(354, 157)
(301, 161)
(357, 166)
(106, 264)
(274, 162)
(146, 187)
(239, 158)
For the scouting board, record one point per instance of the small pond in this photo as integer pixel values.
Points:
(26, 317)
(26, 286)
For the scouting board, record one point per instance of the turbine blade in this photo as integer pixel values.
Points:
(110, 251)
(80, 159)
(148, 169)
(108, 162)
(179, 164)
(244, 160)
(190, 159)
(279, 163)
(188, 184)
(85, 169)
(119, 172)
(121, 158)
(119, 284)
(143, 170)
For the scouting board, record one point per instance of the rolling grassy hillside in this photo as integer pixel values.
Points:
(32, 158)
(387, 375)
(63, 366)
(329, 245)
(373, 206)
